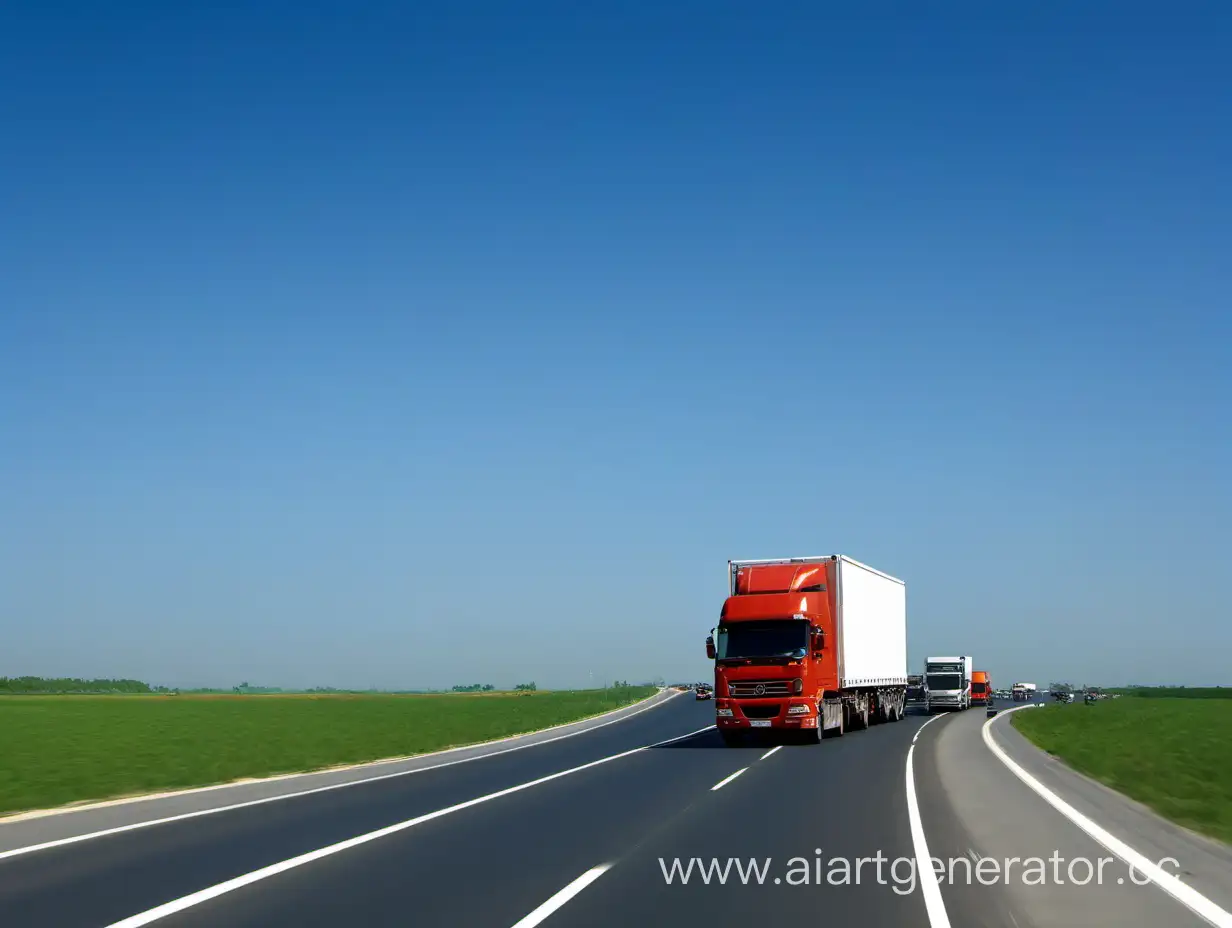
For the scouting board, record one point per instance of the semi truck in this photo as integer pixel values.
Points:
(949, 682)
(814, 646)
(916, 690)
(981, 688)
(1023, 692)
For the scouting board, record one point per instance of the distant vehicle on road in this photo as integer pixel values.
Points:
(981, 688)
(703, 692)
(810, 645)
(949, 682)
(916, 690)
(1023, 692)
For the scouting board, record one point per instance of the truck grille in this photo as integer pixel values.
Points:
(754, 688)
(761, 711)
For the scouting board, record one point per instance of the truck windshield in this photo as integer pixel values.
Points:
(945, 681)
(777, 638)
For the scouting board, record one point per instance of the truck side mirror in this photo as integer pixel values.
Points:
(710, 647)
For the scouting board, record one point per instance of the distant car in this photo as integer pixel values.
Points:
(703, 693)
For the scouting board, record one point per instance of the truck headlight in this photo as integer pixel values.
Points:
(726, 713)
(797, 710)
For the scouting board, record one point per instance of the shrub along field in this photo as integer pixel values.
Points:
(1172, 754)
(62, 749)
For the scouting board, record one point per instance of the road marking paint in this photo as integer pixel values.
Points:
(560, 898)
(1173, 886)
(934, 905)
(771, 751)
(723, 782)
(922, 727)
(213, 892)
(182, 816)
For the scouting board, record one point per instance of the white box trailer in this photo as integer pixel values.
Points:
(872, 626)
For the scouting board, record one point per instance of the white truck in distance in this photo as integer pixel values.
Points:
(949, 682)
(1023, 692)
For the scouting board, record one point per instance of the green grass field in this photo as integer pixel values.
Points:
(62, 749)
(1174, 755)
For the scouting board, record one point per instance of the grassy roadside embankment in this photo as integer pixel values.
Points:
(1172, 754)
(63, 749)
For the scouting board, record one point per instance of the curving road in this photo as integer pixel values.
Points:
(575, 829)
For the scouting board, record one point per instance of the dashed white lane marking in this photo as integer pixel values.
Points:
(771, 751)
(247, 879)
(560, 898)
(723, 782)
(1178, 890)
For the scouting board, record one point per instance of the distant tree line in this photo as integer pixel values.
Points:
(33, 685)
(474, 688)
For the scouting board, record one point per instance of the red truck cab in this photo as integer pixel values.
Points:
(981, 688)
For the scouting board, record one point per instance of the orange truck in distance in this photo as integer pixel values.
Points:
(813, 646)
(981, 688)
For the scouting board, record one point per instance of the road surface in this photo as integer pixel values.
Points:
(579, 830)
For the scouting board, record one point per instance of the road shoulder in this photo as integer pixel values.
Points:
(1203, 863)
(975, 808)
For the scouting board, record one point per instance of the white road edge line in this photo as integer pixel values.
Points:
(1178, 890)
(769, 752)
(723, 782)
(134, 826)
(650, 702)
(213, 892)
(560, 898)
(934, 905)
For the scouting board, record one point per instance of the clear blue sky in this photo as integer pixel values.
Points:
(415, 344)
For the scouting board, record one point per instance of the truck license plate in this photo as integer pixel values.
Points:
(759, 723)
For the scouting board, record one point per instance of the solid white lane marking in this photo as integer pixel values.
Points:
(723, 782)
(134, 826)
(560, 898)
(934, 905)
(771, 751)
(922, 727)
(219, 889)
(1172, 885)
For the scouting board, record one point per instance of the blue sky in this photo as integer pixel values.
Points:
(428, 343)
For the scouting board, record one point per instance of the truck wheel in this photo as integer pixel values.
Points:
(731, 738)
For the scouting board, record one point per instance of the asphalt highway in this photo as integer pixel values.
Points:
(579, 831)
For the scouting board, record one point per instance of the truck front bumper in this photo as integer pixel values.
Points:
(765, 713)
